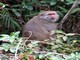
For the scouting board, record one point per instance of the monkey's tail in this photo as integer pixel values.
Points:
(30, 34)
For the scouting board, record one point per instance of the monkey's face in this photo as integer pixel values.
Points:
(50, 16)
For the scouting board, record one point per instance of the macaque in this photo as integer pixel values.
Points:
(39, 27)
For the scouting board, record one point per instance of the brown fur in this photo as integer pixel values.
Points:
(39, 28)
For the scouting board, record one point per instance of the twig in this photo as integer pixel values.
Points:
(17, 47)
(54, 53)
(68, 13)
(39, 42)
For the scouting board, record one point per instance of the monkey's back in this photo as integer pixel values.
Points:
(35, 29)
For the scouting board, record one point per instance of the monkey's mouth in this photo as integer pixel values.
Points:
(52, 18)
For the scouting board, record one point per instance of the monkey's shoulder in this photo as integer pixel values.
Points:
(34, 18)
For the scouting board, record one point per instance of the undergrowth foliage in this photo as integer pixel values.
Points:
(64, 47)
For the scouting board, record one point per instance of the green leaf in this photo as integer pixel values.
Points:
(16, 13)
(35, 1)
(53, 2)
(13, 50)
(70, 2)
(65, 38)
(4, 37)
(2, 48)
(9, 21)
(75, 10)
(55, 58)
(6, 49)
(41, 56)
(59, 31)
(16, 34)
(34, 43)
(59, 35)
(70, 34)
(29, 7)
(12, 39)
(1, 4)
(6, 45)
(61, 14)
(63, 9)
(15, 24)
(58, 41)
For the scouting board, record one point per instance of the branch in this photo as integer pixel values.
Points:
(68, 13)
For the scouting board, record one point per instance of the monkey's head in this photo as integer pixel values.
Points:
(50, 16)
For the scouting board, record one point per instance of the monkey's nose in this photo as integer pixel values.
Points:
(53, 17)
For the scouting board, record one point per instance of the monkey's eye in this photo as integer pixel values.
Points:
(51, 13)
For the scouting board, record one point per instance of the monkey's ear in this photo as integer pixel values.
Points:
(41, 15)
